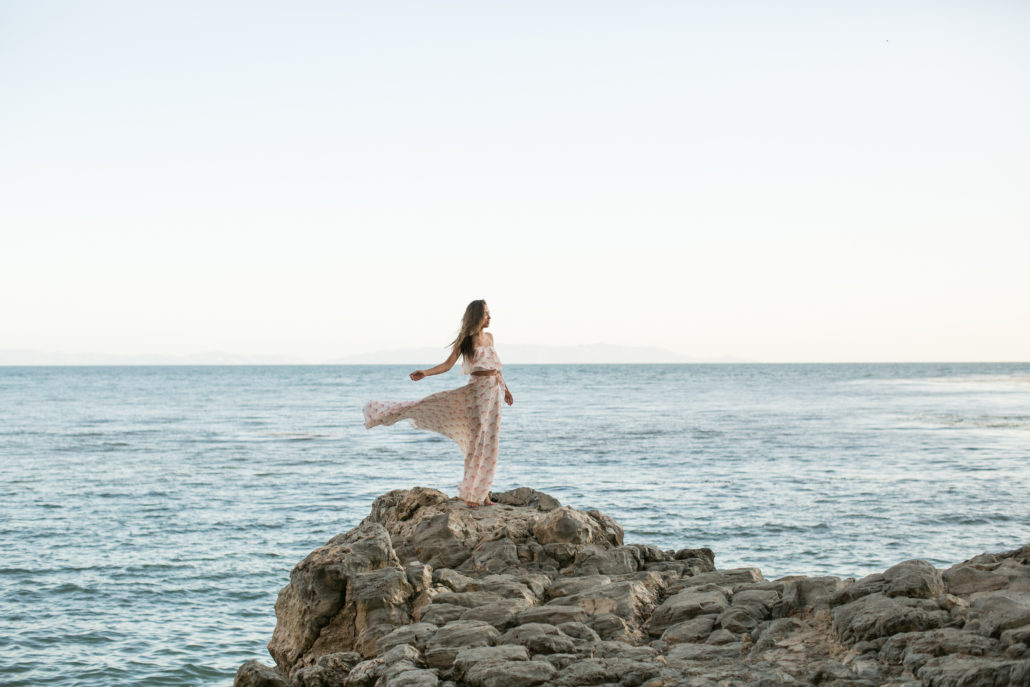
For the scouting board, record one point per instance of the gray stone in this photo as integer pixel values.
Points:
(587, 671)
(256, 674)
(612, 529)
(695, 630)
(539, 639)
(416, 634)
(722, 578)
(574, 585)
(510, 674)
(330, 670)
(961, 671)
(317, 588)
(569, 526)
(685, 605)
(454, 636)
(452, 579)
(526, 497)
(592, 559)
(419, 677)
(940, 642)
(722, 636)
(804, 595)
(440, 541)
(631, 600)
(611, 627)
(505, 586)
(492, 556)
(915, 579)
(466, 599)
(467, 658)
(994, 612)
(579, 631)
(501, 614)
(877, 615)
(551, 614)
(687, 652)
(441, 614)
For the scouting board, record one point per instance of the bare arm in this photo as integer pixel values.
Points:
(439, 369)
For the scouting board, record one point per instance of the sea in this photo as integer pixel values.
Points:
(150, 515)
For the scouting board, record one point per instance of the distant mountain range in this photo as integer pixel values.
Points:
(516, 353)
(533, 354)
(25, 357)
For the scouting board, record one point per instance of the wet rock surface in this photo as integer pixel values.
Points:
(427, 592)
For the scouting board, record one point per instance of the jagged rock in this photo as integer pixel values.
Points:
(574, 585)
(256, 674)
(501, 614)
(510, 674)
(424, 588)
(694, 631)
(539, 639)
(551, 614)
(526, 497)
(687, 604)
(416, 635)
(329, 670)
(569, 526)
(876, 615)
(992, 612)
(441, 614)
(457, 635)
(452, 578)
(467, 658)
(317, 589)
(961, 671)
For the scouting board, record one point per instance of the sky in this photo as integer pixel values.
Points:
(780, 182)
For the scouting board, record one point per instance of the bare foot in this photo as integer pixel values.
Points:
(470, 504)
(488, 502)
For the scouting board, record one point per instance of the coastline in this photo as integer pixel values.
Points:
(427, 592)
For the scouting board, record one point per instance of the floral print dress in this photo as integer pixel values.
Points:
(470, 415)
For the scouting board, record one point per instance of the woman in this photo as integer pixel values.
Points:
(470, 415)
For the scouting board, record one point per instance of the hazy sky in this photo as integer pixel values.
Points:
(774, 181)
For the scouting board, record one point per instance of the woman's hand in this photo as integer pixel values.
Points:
(417, 375)
(508, 398)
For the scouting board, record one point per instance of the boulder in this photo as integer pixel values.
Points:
(569, 526)
(687, 604)
(256, 674)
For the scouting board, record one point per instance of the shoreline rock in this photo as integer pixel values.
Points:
(427, 592)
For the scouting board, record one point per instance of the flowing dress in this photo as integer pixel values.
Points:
(470, 415)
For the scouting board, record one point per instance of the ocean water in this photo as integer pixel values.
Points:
(149, 515)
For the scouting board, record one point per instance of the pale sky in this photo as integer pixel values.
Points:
(821, 181)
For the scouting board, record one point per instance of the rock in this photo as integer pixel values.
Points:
(592, 559)
(687, 652)
(452, 579)
(376, 603)
(992, 612)
(539, 639)
(805, 595)
(501, 614)
(329, 670)
(551, 614)
(721, 578)
(940, 642)
(318, 585)
(416, 634)
(915, 579)
(569, 526)
(961, 671)
(631, 600)
(256, 674)
(877, 615)
(687, 604)
(510, 674)
(441, 614)
(424, 588)
(694, 631)
(574, 585)
(452, 637)
(529, 498)
(468, 658)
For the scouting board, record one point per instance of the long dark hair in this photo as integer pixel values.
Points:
(471, 321)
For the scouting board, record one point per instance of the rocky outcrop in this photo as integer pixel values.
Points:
(427, 592)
